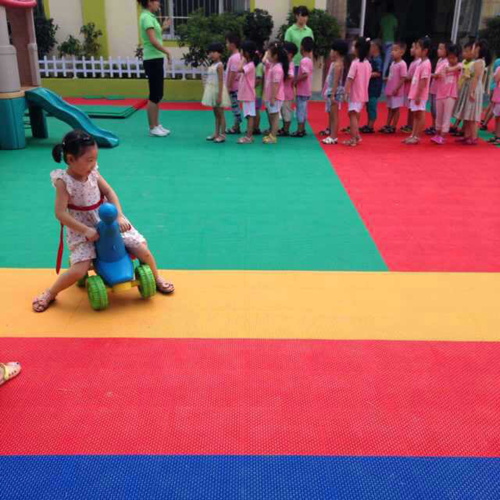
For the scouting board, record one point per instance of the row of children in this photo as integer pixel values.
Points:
(252, 80)
(453, 89)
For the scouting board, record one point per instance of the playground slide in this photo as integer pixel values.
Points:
(76, 118)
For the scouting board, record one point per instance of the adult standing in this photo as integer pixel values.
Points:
(298, 31)
(388, 28)
(154, 60)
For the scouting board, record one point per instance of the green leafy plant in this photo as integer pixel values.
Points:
(200, 31)
(324, 26)
(91, 45)
(492, 34)
(70, 47)
(45, 30)
(258, 26)
(139, 52)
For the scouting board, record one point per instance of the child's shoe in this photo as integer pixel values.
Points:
(367, 130)
(430, 131)
(270, 139)
(298, 134)
(437, 139)
(406, 129)
(257, 131)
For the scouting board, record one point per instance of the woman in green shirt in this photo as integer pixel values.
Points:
(154, 57)
(297, 32)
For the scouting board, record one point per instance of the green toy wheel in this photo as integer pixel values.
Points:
(147, 283)
(81, 283)
(97, 292)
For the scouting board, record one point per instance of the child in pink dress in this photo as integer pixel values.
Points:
(274, 88)
(442, 53)
(286, 110)
(303, 84)
(419, 91)
(356, 90)
(409, 77)
(80, 190)
(246, 92)
(394, 89)
(495, 99)
(233, 43)
(446, 83)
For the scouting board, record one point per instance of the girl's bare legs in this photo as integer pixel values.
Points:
(497, 126)
(275, 123)
(473, 130)
(257, 120)
(334, 121)
(250, 126)
(395, 118)
(144, 255)
(222, 121)
(67, 279)
(216, 115)
(153, 115)
(354, 121)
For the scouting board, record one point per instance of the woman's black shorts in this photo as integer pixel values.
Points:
(154, 72)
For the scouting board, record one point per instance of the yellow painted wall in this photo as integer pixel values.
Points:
(122, 26)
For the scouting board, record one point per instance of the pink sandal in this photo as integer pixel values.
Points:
(43, 302)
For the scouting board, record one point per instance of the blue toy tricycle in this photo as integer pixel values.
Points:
(113, 266)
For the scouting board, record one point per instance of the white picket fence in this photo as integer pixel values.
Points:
(129, 67)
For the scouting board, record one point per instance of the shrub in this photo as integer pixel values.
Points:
(258, 26)
(200, 30)
(45, 30)
(70, 47)
(325, 28)
(90, 46)
(492, 34)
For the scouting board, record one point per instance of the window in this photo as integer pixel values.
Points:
(179, 10)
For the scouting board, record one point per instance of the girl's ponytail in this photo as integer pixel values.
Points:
(57, 153)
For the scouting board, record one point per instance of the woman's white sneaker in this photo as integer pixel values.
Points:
(161, 127)
(157, 132)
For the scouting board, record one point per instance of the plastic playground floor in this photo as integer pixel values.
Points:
(334, 331)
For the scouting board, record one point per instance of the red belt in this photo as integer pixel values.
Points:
(61, 239)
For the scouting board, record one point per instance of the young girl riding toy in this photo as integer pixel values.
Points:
(80, 191)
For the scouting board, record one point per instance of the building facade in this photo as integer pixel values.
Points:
(118, 18)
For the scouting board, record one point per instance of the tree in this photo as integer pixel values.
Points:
(258, 26)
(324, 26)
(492, 34)
(45, 31)
(200, 31)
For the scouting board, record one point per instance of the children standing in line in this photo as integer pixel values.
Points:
(419, 91)
(470, 101)
(447, 74)
(274, 90)
(409, 77)
(356, 89)
(495, 99)
(375, 86)
(286, 110)
(334, 89)
(394, 89)
(215, 94)
(303, 84)
(233, 80)
(246, 92)
(259, 91)
(442, 59)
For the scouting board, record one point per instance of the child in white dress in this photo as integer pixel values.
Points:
(80, 191)
(215, 94)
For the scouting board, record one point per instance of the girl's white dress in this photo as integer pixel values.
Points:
(85, 194)
(211, 91)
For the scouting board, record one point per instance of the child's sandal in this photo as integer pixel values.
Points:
(493, 139)
(233, 131)
(43, 302)
(8, 371)
(330, 141)
(220, 139)
(165, 287)
(325, 133)
(351, 142)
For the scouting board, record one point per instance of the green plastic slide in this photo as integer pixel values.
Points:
(74, 117)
